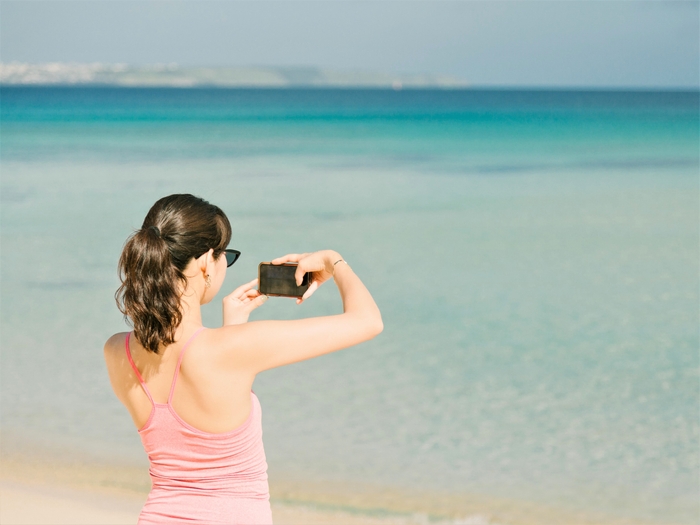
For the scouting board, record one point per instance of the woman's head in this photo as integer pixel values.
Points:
(176, 230)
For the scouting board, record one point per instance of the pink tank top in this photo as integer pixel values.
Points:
(203, 478)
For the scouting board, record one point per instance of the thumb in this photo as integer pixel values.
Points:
(310, 290)
(299, 275)
(258, 301)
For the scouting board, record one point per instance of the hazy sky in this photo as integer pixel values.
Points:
(526, 42)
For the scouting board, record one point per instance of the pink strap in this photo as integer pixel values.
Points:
(179, 362)
(133, 365)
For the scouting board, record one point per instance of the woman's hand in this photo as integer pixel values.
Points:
(263, 345)
(319, 264)
(239, 303)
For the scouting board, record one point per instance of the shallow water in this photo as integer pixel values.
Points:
(534, 254)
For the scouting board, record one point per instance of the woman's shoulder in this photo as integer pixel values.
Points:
(224, 347)
(120, 373)
(216, 341)
(115, 345)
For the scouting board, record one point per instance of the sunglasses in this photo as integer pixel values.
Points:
(231, 256)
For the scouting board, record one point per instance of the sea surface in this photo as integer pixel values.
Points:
(535, 256)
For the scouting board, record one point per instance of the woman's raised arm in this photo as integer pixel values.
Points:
(261, 345)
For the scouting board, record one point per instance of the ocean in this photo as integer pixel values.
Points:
(535, 255)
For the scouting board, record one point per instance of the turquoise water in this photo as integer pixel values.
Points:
(535, 256)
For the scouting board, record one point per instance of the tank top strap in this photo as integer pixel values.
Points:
(136, 370)
(179, 362)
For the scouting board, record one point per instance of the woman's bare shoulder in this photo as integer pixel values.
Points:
(224, 347)
(114, 347)
(222, 340)
(117, 368)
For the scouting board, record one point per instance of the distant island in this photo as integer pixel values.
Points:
(173, 75)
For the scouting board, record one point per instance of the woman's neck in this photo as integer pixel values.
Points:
(191, 308)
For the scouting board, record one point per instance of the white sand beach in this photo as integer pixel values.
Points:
(36, 504)
(22, 504)
(40, 491)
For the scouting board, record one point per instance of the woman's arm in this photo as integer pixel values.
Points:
(261, 345)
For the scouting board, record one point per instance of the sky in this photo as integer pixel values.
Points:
(567, 43)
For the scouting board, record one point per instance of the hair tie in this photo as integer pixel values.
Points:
(155, 229)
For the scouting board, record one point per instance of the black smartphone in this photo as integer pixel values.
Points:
(278, 280)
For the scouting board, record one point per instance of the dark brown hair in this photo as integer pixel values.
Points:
(176, 229)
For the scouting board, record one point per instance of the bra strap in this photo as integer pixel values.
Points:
(136, 370)
(179, 362)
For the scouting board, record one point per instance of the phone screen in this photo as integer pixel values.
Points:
(278, 279)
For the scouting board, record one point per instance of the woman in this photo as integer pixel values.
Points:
(187, 388)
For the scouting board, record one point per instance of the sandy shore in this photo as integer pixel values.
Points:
(41, 492)
(22, 504)
(27, 504)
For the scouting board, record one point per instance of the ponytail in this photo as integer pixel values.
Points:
(177, 229)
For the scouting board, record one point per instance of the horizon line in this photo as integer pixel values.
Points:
(362, 87)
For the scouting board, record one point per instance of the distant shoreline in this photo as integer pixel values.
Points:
(57, 74)
(173, 75)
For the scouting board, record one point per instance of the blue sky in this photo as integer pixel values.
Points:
(502, 43)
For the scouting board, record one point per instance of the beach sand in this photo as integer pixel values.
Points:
(22, 504)
(42, 491)
(37, 504)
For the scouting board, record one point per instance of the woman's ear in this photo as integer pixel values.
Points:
(210, 262)
(206, 262)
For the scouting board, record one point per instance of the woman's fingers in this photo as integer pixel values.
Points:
(309, 265)
(244, 288)
(299, 275)
(310, 290)
(239, 303)
(258, 301)
(249, 296)
(304, 262)
(290, 257)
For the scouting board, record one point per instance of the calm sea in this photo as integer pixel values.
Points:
(534, 253)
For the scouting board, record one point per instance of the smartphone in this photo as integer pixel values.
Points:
(278, 280)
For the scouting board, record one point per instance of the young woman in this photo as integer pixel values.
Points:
(187, 388)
